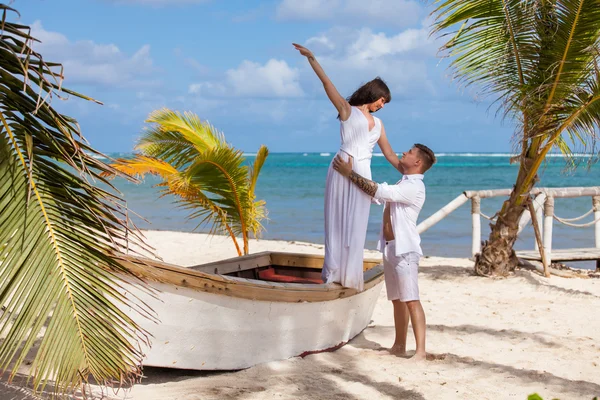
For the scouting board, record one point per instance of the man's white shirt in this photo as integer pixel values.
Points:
(406, 198)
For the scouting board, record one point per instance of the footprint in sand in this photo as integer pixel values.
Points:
(436, 357)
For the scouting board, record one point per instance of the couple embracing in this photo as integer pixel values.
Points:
(348, 195)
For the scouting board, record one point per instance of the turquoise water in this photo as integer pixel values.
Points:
(293, 185)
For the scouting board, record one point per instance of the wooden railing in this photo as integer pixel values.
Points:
(543, 207)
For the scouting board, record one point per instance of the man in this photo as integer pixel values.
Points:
(403, 202)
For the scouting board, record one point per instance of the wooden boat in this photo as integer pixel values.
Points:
(243, 311)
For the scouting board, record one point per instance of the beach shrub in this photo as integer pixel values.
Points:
(207, 175)
(536, 396)
(61, 303)
(538, 60)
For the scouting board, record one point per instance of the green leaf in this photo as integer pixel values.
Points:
(534, 396)
(206, 174)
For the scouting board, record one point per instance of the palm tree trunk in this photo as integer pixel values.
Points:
(237, 246)
(245, 237)
(497, 257)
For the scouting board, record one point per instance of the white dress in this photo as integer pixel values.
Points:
(346, 206)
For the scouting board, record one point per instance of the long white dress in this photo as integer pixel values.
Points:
(346, 206)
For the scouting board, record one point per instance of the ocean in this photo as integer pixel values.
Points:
(293, 185)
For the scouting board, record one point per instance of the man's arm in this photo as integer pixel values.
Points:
(345, 168)
(407, 194)
(364, 184)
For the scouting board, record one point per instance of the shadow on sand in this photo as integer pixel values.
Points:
(584, 389)
(531, 278)
(331, 381)
(363, 343)
(446, 272)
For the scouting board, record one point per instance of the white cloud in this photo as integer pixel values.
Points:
(371, 46)
(352, 12)
(320, 42)
(208, 89)
(273, 79)
(352, 57)
(91, 63)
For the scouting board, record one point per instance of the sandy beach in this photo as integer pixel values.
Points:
(487, 339)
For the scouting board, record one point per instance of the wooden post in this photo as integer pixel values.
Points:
(539, 214)
(476, 220)
(548, 219)
(538, 239)
(596, 208)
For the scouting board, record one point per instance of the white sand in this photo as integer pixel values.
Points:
(491, 339)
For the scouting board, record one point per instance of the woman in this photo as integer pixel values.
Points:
(346, 206)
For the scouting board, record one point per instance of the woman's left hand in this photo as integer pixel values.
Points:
(303, 50)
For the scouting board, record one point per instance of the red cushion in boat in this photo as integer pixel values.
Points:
(270, 275)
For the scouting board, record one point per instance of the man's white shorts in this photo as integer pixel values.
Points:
(400, 274)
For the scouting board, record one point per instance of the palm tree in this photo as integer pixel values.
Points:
(539, 60)
(60, 279)
(207, 174)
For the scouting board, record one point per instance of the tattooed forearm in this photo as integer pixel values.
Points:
(367, 186)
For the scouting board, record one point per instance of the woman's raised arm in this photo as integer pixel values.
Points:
(338, 101)
(386, 149)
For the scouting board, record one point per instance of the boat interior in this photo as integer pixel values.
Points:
(275, 267)
(267, 276)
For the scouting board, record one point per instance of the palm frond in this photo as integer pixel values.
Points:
(59, 280)
(259, 160)
(202, 208)
(222, 173)
(535, 55)
(579, 114)
(491, 45)
(206, 174)
(258, 211)
(174, 135)
(170, 146)
(573, 27)
(139, 166)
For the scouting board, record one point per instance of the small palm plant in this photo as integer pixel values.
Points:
(207, 174)
(60, 235)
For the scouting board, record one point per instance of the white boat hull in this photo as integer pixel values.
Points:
(210, 319)
(209, 331)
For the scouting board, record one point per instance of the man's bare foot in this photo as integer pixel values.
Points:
(419, 357)
(398, 351)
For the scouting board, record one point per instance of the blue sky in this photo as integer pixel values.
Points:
(232, 63)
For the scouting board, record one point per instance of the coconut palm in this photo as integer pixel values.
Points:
(539, 61)
(209, 176)
(59, 235)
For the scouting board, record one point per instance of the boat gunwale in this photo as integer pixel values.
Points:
(252, 289)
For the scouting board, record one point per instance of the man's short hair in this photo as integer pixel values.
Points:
(426, 155)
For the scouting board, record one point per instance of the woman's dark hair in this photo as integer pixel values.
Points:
(370, 92)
